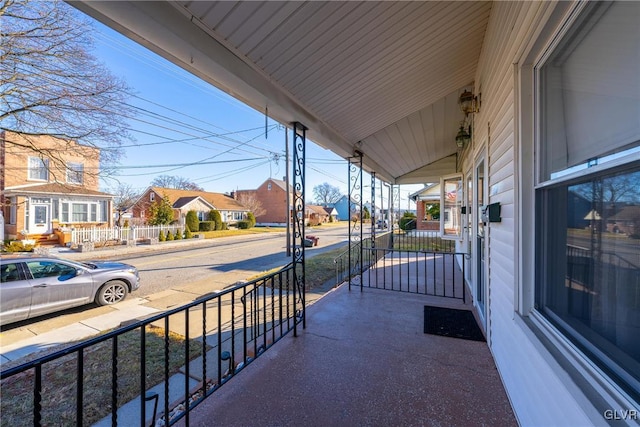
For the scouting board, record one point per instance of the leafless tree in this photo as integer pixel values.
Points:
(125, 197)
(51, 84)
(326, 193)
(251, 202)
(177, 182)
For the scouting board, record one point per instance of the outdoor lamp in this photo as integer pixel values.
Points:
(468, 103)
(463, 136)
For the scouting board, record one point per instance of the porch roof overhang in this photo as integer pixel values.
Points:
(380, 77)
(55, 189)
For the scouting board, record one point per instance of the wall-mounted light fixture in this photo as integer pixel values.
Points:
(464, 136)
(468, 103)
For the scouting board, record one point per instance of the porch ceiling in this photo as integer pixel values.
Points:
(383, 77)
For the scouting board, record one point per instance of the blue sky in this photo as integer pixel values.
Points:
(183, 120)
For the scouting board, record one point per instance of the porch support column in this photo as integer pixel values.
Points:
(373, 210)
(355, 227)
(299, 146)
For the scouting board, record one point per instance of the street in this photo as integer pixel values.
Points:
(170, 278)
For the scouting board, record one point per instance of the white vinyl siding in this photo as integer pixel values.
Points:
(532, 378)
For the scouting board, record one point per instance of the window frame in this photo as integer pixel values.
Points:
(75, 169)
(604, 391)
(42, 169)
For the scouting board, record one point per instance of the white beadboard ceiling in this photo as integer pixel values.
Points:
(383, 77)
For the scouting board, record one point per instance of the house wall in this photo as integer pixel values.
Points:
(274, 201)
(541, 389)
(58, 152)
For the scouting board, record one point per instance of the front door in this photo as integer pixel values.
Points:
(39, 222)
(478, 246)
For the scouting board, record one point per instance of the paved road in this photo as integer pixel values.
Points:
(171, 275)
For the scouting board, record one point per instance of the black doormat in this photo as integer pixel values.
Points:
(450, 322)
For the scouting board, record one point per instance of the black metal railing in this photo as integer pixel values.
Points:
(341, 262)
(422, 240)
(430, 273)
(385, 264)
(171, 361)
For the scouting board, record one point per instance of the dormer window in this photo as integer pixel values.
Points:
(75, 173)
(38, 169)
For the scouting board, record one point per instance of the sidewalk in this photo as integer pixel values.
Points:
(15, 344)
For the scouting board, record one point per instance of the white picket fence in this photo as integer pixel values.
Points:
(101, 234)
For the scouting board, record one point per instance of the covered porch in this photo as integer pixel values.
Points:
(364, 359)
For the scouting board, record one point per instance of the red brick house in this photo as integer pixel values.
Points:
(47, 183)
(272, 195)
(427, 196)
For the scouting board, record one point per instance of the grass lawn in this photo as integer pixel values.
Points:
(319, 268)
(59, 379)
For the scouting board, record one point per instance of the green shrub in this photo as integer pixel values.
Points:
(225, 226)
(244, 225)
(252, 219)
(192, 221)
(18, 246)
(169, 236)
(178, 235)
(162, 237)
(207, 226)
(407, 222)
(216, 218)
(187, 233)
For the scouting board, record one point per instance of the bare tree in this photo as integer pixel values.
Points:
(326, 193)
(51, 84)
(125, 197)
(177, 182)
(251, 202)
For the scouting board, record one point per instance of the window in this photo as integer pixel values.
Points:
(9, 272)
(75, 173)
(13, 210)
(104, 211)
(451, 204)
(80, 212)
(152, 197)
(38, 168)
(588, 196)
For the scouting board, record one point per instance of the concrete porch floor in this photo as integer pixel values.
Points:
(364, 360)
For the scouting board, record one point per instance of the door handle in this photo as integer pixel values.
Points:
(41, 286)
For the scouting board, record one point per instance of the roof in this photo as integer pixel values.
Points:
(330, 210)
(383, 77)
(317, 209)
(218, 200)
(54, 188)
(628, 213)
(428, 192)
(184, 201)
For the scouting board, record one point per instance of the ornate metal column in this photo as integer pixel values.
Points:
(299, 145)
(373, 210)
(355, 206)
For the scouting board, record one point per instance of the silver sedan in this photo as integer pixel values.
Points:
(33, 285)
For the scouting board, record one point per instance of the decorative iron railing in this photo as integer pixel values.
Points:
(389, 266)
(200, 346)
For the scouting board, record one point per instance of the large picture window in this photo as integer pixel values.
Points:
(588, 192)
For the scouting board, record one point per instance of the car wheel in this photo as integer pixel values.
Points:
(112, 292)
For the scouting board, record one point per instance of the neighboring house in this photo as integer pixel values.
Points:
(342, 208)
(332, 213)
(626, 221)
(272, 195)
(316, 215)
(52, 185)
(425, 197)
(183, 201)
